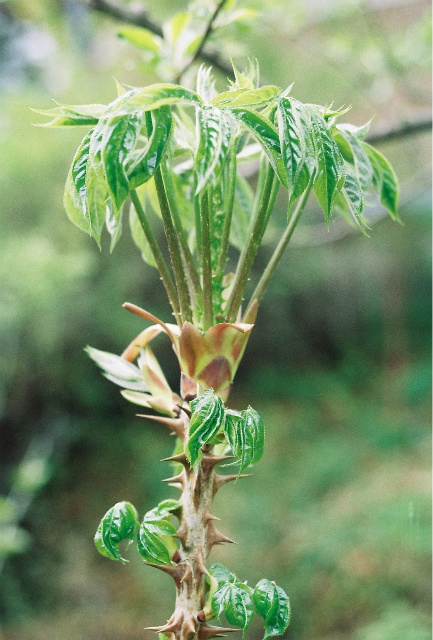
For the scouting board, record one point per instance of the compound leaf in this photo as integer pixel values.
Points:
(119, 523)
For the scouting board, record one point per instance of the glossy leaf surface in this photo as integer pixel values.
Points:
(75, 196)
(251, 98)
(72, 115)
(119, 139)
(221, 573)
(147, 162)
(119, 523)
(273, 605)
(245, 433)
(330, 164)
(384, 180)
(152, 536)
(266, 135)
(235, 601)
(214, 135)
(207, 419)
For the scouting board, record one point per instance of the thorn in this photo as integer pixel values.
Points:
(175, 571)
(207, 631)
(174, 424)
(199, 562)
(187, 574)
(221, 479)
(175, 624)
(181, 533)
(176, 485)
(185, 410)
(190, 625)
(214, 536)
(209, 516)
(179, 479)
(180, 457)
(209, 462)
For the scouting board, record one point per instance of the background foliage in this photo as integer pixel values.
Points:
(338, 364)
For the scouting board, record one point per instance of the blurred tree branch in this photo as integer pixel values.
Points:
(136, 13)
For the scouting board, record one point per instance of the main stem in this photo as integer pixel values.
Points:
(197, 535)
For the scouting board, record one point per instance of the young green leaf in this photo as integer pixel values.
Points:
(119, 139)
(234, 599)
(123, 373)
(292, 147)
(353, 194)
(113, 223)
(384, 180)
(207, 418)
(164, 509)
(141, 38)
(330, 165)
(75, 196)
(273, 605)
(148, 160)
(222, 574)
(360, 159)
(95, 186)
(152, 537)
(214, 135)
(150, 544)
(156, 96)
(119, 523)
(251, 98)
(72, 115)
(245, 433)
(266, 135)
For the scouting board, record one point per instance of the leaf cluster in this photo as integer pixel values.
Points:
(239, 602)
(183, 151)
(212, 424)
(154, 535)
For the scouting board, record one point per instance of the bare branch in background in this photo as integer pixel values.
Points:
(206, 36)
(136, 14)
(405, 128)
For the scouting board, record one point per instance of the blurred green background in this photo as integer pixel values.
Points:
(338, 511)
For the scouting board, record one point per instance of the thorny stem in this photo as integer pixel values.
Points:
(206, 261)
(173, 247)
(247, 256)
(159, 258)
(197, 534)
(280, 248)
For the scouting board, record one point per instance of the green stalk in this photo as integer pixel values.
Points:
(247, 256)
(159, 258)
(173, 247)
(228, 214)
(191, 268)
(280, 248)
(206, 260)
